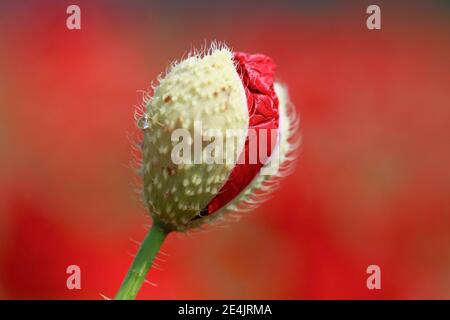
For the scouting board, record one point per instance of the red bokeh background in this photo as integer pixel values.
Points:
(372, 183)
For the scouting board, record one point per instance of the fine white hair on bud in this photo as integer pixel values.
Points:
(203, 89)
(204, 93)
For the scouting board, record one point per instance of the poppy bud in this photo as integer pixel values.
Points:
(197, 103)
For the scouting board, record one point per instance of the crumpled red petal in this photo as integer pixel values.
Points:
(257, 74)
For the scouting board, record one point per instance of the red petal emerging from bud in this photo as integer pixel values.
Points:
(257, 74)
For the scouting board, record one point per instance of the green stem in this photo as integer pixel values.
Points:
(142, 263)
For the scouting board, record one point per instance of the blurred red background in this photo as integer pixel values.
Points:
(372, 183)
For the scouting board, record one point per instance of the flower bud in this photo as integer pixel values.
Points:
(199, 127)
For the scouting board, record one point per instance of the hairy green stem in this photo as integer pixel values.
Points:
(142, 262)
